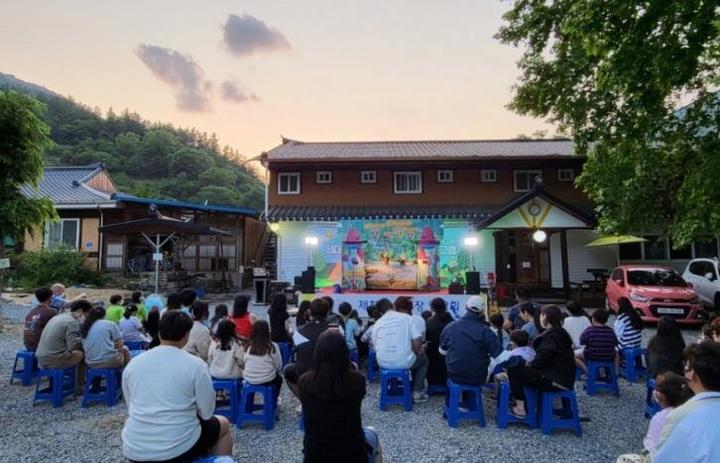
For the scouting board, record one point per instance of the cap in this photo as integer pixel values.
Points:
(477, 304)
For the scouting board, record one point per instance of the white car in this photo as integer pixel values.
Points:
(703, 275)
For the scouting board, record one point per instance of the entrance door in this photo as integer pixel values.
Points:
(524, 261)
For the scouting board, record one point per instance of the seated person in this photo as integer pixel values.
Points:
(102, 341)
(58, 301)
(279, 319)
(598, 341)
(398, 343)
(671, 391)
(115, 310)
(131, 328)
(531, 316)
(331, 394)
(60, 344)
(497, 321)
(226, 356)
(352, 328)
(152, 327)
(576, 323)
(199, 341)
(221, 313)
(187, 297)
(263, 362)
(520, 353)
(665, 349)
(37, 318)
(437, 370)
(170, 383)
(522, 299)
(137, 299)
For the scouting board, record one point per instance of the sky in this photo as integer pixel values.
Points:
(251, 71)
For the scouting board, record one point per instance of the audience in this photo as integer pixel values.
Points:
(174, 302)
(60, 344)
(137, 299)
(352, 328)
(221, 313)
(628, 325)
(531, 316)
(553, 367)
(168, 382)
(331, 395)
(279, 319)
(520, 353)
(199, 340)
(131, 328)
(437, 370)
(152, 327)
(58, 301)
(332, 317)
(115, 310)
(671, 391)
(187, 297)
(497, 322)
(102, 341)
(598, 341)
(691, 433)
(522, 299)
(398, 341)
(468, 344)
(37, 318)
(303, 314)
(263, 362)
(576, 323)
(226, 356)
(242, 318)
(665, 349)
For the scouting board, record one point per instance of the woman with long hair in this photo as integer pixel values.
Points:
(331, 394)
(531, 315)
(279, 318)
(628, 325)
(221, 313)
(199, 340)
(576, 323)
(152, 327)
(263, 362)
(665, 349)
(174, 302)
(440, 318)
(303, 314)
(102, 341)
(226, 357)
(130, 326)
(242, 318)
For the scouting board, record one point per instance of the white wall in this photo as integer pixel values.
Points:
(556, 274)
(581, 258)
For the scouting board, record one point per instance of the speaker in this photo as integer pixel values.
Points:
(472, 282)
(456, 288)
(306, 281)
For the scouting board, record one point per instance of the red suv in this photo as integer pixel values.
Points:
(654, 291)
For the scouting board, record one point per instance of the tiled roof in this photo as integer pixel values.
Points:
(171, 203)
(294, 150)
(322, 213)
(66, 186)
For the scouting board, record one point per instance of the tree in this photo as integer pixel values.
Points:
(613, 74)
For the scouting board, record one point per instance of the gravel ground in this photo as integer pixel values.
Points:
(74, 434)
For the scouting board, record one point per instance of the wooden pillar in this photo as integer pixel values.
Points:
(565, 265)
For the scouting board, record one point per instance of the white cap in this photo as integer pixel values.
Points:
(477, 304)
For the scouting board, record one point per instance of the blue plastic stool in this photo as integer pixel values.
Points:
(109, 393)
(285, 352)
(372, 369)
(455, 400)
(651, 406)
(233, 387)
(135, 345)
(29, 367)
(395, 388)
(62, 384)
(248, 408)
(503, 417)
(566, 417)
(437, 389)
(631, 364)
(597, 383)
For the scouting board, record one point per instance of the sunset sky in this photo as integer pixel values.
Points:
(315, 70)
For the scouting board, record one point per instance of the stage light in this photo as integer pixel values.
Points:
(539, 236)
(311, 241)
(274, 227)
(471, 241)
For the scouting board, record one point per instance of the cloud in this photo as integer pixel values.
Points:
(246, 35)
(231, 90)
(181, 72)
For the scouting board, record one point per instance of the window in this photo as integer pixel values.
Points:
(368, 176)
(323, 176)
(445, 176)
(702, 268)
(566, 175)
(488, 175)
(114, 256)
(525, 179)
(630, 251)
(408, 182)
(655, 248)
(289, 183)
(617, 275)
(681, 253)
(706, 247)
(66, 232)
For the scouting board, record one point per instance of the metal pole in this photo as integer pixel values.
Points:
(157, 264)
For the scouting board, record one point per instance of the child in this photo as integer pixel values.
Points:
(263, 362)
(519, 353)
(221, 313)
(226, 357)
(137, 299)
(352, 328)
(598, 340)
(115, 310)
(496, 324)
(130, 326)
(671, 391)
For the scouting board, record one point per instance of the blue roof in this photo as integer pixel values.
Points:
(126, 198)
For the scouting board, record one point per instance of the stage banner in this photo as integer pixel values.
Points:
(421, 302)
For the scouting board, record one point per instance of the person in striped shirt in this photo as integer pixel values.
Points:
(599, 341)
(628, 325)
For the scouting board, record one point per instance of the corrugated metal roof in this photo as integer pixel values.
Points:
(294, 150)
(66, 186)
(126, 198)
(323, 213)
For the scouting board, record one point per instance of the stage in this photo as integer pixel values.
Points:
(361, 300)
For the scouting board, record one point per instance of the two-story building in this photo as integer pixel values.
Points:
(416, 215)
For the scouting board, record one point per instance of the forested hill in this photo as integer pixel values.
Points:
(144, 158)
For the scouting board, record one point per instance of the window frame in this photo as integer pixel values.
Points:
(537, 172)
(320, 173)
(61, 222)
(288, 175)
(368, 171)
(451, 178)
(571, 177)
(407, 172)
(494, 178)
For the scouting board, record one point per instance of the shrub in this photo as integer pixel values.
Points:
(30, 270)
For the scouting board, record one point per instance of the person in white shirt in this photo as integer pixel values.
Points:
(199, 342)
(263, 362)
(172, 419)
(226, 356)
(398, 342)
(575, 324)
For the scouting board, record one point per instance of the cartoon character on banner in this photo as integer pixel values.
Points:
(427, 258)
(353, 262)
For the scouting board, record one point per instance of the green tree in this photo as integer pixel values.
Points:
(23, 139)
(612, 74)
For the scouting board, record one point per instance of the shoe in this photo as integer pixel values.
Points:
(420, 397)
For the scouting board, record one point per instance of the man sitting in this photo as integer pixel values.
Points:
(171, 401)
(468, 344)
(59, 301)
(60, 345)
(38, 317)
(598, 340)
(398, 342)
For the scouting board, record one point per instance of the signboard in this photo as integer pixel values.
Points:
(157, 256)
(4, 263)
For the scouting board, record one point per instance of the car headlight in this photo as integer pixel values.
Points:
(638, 297)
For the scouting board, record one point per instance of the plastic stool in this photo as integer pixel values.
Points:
(597, 383)
(566, 417)
(437, 389)
(473, 405)
(631, 364)
(62, 384)
(285, 352)
(108, 393)
(29, 367)
(248, 408)
(233, 387)
(135, 345)
(503, 417)
(372, 369)
(651, 406)
(395, 388)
